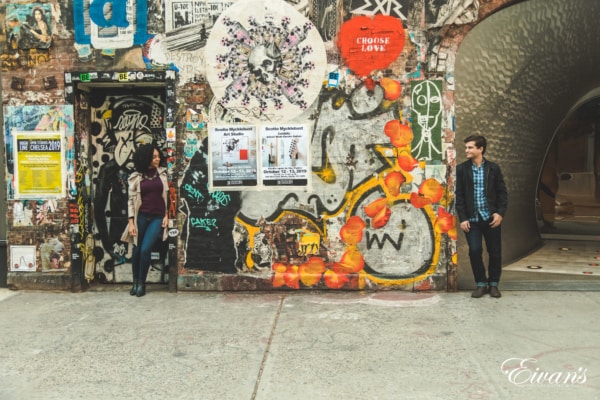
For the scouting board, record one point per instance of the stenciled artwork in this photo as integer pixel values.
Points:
(265, 62)
(369, 44)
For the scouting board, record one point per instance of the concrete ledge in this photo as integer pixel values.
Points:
(221, 282)
(38, 281)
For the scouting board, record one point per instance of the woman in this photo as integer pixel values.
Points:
(147, 211)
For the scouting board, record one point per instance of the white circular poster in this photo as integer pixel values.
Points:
(265, 62)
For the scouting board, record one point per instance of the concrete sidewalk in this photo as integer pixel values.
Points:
(307, 345)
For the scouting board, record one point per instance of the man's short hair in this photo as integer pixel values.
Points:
(480, 141)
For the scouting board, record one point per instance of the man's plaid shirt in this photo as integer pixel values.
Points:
(481, 211)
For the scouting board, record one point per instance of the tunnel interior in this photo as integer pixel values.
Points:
(527, 78)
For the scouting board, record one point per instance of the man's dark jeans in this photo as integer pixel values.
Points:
(493, 241)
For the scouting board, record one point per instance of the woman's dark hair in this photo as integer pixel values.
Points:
(480, 141)
(143, 157)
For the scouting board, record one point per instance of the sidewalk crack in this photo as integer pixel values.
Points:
(266, 355)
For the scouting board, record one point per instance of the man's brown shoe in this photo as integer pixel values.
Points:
(495, 292)
(479, 292)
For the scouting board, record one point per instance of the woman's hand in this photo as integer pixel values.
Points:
(132, 228)
(165, 221)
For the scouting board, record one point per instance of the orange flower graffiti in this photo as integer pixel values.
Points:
(311, 271)
(392, 88)
(430, 191)
(352, 232)
(445, 223)
(352, 261)
(393, 181)
(406, 161)
(400, 135)
(379, 211)
(335, 280)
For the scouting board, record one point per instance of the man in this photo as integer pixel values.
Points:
(481, 201)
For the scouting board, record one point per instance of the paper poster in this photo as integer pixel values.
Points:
(233, 156)
(22, 259)
(265, 62)
(284, 155)
(39, 161)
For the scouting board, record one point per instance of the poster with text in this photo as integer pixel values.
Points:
(233, 156)
(39, 161)
(284, 155)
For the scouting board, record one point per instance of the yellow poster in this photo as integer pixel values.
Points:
(39, 160)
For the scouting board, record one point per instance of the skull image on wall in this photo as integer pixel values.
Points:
(264, 62)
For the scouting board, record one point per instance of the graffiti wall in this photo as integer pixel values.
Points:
(371, 83)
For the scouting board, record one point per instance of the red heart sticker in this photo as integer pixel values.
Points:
(367, 44)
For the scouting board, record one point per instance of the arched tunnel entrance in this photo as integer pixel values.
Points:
(528, 79)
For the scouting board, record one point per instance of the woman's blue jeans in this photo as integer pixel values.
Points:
(493, 242)
(149, 232)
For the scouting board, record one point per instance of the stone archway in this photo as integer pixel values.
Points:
(519, 73)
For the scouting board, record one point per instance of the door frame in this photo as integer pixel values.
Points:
(81, 220)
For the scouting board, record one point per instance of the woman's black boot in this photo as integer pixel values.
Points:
(141, 289)
(134, 288)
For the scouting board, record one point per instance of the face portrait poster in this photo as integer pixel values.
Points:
(284, 155)
(232, 152)
(39, 160)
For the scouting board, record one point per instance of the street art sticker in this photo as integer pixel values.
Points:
(267, 67)
(284, 155)
(325, 17)
(393, 8)
(189, 22)
(110, 24)
(233, 156)
(368, 44)
(427, 119)
(51, 254)
(28, 26)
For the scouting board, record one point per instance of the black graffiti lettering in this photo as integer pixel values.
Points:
(386, 238)
(132, 119)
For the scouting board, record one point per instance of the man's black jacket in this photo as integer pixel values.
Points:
(495, 190)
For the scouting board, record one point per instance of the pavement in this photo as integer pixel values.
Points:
(298, 345)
